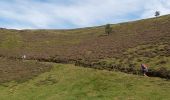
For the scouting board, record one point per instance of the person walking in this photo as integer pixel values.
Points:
(144, 69)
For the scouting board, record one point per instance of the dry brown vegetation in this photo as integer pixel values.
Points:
(19, 70)
(85, 43)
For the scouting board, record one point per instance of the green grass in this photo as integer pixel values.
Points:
(67, 82)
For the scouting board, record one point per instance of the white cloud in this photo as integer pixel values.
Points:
(78, 13)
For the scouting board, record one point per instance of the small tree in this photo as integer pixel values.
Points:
(157, 13)
(108, 29)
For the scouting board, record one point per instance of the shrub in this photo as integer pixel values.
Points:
(108, 29)
(157, 13)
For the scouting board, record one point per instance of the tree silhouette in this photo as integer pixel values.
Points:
(157, 13)
(108, 29)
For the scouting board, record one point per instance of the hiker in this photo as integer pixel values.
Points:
(144, 69)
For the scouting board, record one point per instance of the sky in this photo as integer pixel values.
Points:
(69, 14)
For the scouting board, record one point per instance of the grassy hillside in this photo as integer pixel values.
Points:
(87, 43)
(67, 82)
(129, 45)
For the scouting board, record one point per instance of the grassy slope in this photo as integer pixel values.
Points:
(145, 41)
(87, 43)
(67, 82)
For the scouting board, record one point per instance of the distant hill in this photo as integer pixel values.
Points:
(129, 45)
(2, 28)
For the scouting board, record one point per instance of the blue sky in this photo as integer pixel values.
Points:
(66, 14)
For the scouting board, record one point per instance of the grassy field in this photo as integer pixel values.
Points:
(67, 82)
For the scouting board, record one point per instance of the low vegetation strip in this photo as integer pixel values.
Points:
(161, 72)
(131, 69)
